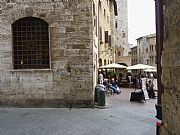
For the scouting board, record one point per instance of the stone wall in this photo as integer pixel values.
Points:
(171, 69)
(122, 27)
(69, 80)
(142, 45)
(134, 55)
(119, 58)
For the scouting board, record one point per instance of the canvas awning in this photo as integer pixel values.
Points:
(114, 65)
(141, 66)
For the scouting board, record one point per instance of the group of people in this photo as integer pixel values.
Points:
(140, 81)
(111, 83)
(145, 83)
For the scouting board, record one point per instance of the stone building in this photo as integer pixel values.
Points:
(170, 97)
(107, 12)
(142, 50)
(48, 53)
(122, 48)
(121, 26)
(152, 49)
(134, 59)
(146, 50)
(113, 32)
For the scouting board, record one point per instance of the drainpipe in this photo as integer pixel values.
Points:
(159, 48)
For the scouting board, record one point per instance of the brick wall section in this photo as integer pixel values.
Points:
(171, 69)
(70, 28)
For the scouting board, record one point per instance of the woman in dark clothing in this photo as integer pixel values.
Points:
(150, 89)
(135, 81)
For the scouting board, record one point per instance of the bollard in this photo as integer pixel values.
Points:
(101, 96)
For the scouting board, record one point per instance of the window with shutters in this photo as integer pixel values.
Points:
(116, 24)
(104, 13)
(100, 34)
(109, 40)
(106, 36)
(94, 10)
(104, 61)
(100, 62)
(119, 53)
(30, 44)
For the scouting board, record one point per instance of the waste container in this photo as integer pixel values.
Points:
(101, 96)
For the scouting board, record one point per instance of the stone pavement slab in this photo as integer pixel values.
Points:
(120, 117)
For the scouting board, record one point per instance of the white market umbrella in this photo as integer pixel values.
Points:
(140, 66)
(114, 65)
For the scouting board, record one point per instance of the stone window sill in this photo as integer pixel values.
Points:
(30, 70)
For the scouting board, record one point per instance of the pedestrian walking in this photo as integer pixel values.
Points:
(143, 86)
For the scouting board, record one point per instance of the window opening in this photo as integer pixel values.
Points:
(30, 43)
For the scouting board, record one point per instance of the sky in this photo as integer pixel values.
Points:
(141, 19)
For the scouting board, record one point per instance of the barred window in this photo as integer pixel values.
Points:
(30, 43)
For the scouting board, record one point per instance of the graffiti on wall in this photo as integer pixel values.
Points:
(64, 72)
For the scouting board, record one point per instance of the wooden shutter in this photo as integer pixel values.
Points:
(106, 37)
(100, 33)
(109, 40)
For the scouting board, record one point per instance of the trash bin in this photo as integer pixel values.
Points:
(101, 96)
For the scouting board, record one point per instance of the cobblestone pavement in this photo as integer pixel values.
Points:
(121, 117)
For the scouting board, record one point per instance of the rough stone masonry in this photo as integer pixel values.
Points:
(171, 68)
(68, 82)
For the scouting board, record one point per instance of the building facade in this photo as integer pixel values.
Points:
(146, 50)
(107, 12)
(134, 58)
(122, 48)
(95, 13)
(48, 53)
(121, 26)
(152, 49)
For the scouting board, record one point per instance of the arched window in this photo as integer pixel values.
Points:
(119, 53)
(100, 62)
(30, 43)
(104, 61)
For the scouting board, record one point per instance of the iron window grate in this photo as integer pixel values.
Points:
(30, 44)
